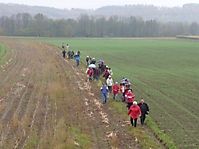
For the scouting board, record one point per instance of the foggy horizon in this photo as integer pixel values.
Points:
(90, 4)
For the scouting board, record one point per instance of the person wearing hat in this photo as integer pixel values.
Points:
(109, 83)
(116, 89)
(134, 112)
(93, 61)
(104, 92)
(106, 73)
(129, 96)
(144, 110)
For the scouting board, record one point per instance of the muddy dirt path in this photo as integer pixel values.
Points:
(45, 102)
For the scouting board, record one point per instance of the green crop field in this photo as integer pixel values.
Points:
(163, 71)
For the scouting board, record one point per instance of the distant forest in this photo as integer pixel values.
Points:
(24, 24)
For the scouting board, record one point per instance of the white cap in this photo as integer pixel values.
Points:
(135, 103)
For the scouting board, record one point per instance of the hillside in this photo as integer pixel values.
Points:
(54, 13)
(179, 14)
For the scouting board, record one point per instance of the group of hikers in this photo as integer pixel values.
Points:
(70, 54)
(120, 91)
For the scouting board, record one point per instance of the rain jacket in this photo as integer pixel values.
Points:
(116, 89)
(134, 111)
(129, 97)
(90, 72)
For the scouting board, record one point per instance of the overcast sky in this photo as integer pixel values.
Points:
(97, 3)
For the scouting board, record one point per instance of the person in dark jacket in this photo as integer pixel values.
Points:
(64, 53)
(144, 110)
(93, 61)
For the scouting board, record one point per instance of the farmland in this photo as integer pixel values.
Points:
(2, 52)
(163, 71)
(45, 102)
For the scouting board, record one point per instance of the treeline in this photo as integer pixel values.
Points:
(88, 26)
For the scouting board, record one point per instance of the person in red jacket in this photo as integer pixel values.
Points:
(130, 96)
(134, 113)
(115, 89)
(106, 73)
(90, 73)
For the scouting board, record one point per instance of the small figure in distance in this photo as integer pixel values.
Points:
(93, 61)
(116, 89)
(110, 71)
(134, 113)
(106, 73)
(90, 74)
(67, 47)
(104, 92)
(77, 59)
(144, 110)
(63, 47)
(87, 60)
(109, 83)
(64, 53)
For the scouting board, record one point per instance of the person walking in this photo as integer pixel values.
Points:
(144, 110)
(116, 89)
(122, 90)
(87, 60)
(67, 47)
(106, 73)
(64, 53)
(134, 113)
(96, 74)
(109, 83)
(77, 59)
(90, 74)
(129, 96)
(104, 92)
(63, 47)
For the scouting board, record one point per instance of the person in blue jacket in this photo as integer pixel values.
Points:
(104, 92)
(77, 58)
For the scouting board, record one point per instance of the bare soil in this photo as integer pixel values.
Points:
(46, 102)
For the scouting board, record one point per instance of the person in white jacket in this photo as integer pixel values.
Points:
(109, 83)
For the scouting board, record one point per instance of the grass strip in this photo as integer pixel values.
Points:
(160, 135)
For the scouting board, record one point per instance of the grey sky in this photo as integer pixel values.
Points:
(97, 3)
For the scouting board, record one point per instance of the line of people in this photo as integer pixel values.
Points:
(118, 91)
(70, 54)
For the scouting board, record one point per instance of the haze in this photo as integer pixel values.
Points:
(92, 4)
